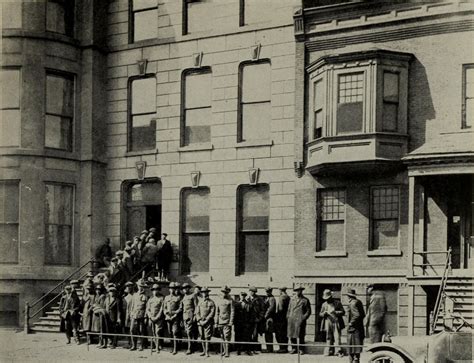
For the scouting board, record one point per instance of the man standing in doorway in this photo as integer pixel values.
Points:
(164, 257)
(332, 323)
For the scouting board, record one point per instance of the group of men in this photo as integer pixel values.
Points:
(143, 252)
(332, 322)
(186, 313)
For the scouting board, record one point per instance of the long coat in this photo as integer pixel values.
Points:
(69, 307)
(355, 325)
(99, 321)
(87, 313)
(113, 308)
(336, 312)
(299, 310)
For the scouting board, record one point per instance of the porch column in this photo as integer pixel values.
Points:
(411, 225)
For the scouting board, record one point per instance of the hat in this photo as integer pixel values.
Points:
(153, 229)
(110, 284)
(114, 259)
(327, 294)
(68, 287)
(142, 283)
(165, 234)
(172, 285)
(128, 248)
(185, 285)
(298, 288)
(112, 288)
(253, 288)
(155, 287)
(268, 289)
(74, 282)
(205, 289)
(99, 287)
(90, 274)
(283, 288)
(144, 232)
(370, 286)
(225, 288)
(118, 253)
(128, 283)
(351, 293)
(243, 293)
(89, 285)
(177, 285)
(128, 243)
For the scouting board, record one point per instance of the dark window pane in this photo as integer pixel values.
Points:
(11, 15)
(9, 202)
(55, 17)
(145, 25)
(332, 235)
(196, 256)
(143, 132)
(58, 245)
(349, 117)
(144, 95)
(255, 208)
(10, 87)
(390, 116)
(256, 121)
(390, 87)
(58, 132)
(198, 129)
(9, 243)
(254, 253)
(10, 125)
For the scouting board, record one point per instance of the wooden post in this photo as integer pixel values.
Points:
(411, 224)
(27, 318)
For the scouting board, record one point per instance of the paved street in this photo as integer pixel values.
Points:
(18, 347)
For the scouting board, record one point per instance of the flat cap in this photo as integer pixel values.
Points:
(253, 288)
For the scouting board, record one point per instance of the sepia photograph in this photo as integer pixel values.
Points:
(281, 181)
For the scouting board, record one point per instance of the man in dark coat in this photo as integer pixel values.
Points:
(69, 306)
(114, 314)
(99, 319)
(355, 326)
(115, 273)
(257, 314)
(225, 314)
(299, 310)
(104, 253)
(164, 257)
(88, 301)
(270, 311)
(242, 323)
(376, 314)
(281, 325)
(332, 323)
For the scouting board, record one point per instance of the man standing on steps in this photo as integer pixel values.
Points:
(270, 310)
(172, 311)
(188, 307)
(69, 306)
(113, 311)
(164, 257)
(225, 318)
(137, 314)
(205, 318)
(280, 320)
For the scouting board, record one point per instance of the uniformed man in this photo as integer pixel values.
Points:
(113, 310)
(188, 307)
(270, 311)
(137, 314)
(280, 320)
(205, 318)
(155, 315)
(225, 318)
(257, 314)
(127, 304)
(172, 311)
(242, 323)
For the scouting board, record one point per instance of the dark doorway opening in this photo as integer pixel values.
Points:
(153, 218)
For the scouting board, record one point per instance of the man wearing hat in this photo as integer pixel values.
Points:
(257, 313)
(280, 320)
(188, 307)
(225, 317)
(205, 318)
(137, 314)
(104, 253)
(242, 323)
(154, 312)
(172, 311)
(88, 301)
(270, 310)
(114, 314)
(127, 260)
(87, 282)
(115, 273)
(355, 326)
(332, 323)
(164, 257)
(299, 310)
(69, 306)
(376, 314)
(127, 304)
(99, 321)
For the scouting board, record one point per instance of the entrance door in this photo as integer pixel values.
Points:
(153, 218)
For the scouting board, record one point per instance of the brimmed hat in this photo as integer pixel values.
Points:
(298, 288)
(282, 288)
(243, 293)
(119, 253)
(253, 288)
(225, 288)
(142, 283)
(177, 285)
(144, 232)
(185, 285)
(172, 285)
(99, 287)
(155, 287)
(128, 243)
(351, 293)
(68, 287)
(74, 282)
(327, 294)
(112, 288)
(269, 289)
(205, 289)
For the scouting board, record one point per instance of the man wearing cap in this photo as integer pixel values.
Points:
(172, 311)
(205, 318)
(69, 306)
(299, 310)
(127, 304)
(88, 301)
(99, 321)
(280, 320)
(137, 314)
(270, 311)
(115, 273)
(87, 282)
(154, 312)
(188, 307)
(376, 314)
(355, 326)
(225, 317)
(164, 257)
(332, 323)
(114, 314)
(257, 314)
(242, 323)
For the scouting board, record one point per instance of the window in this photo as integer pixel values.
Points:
(142, 129)
(252, 12)
(9, 216)
(468, 96)
(331, 219)
(255, 101)
(59, 111)
(384, 217)
(199, 15)
(350, 102)
(319, 98)
(253, 228)
(11, 15)
(390, 101)
(195, 230)
(60, 17)
(9, 308)
(197, 111)
(143, 20)
(59, 210)
(10, 115)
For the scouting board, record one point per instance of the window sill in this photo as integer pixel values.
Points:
(140, 152)
(254, 143)
(196, 147)
(334, 253)
(387, 252)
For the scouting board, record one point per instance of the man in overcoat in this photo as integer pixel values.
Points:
(376, 314)
(88, 301)
(332, 323)
(99, 320)
(269, 318)
(114, 313)
(299, 310)
(225, 317)
(355, 326)
(281, 325)
(256, 316)
(69, 306)
(242, 323)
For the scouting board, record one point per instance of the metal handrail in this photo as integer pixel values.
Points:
(137, 274)
(442, 287)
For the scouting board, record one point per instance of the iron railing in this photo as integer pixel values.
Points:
(441, 293)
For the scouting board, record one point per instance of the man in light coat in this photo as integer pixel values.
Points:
(332, 323)
(299, 310)
(376, 314)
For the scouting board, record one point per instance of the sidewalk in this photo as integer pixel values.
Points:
(45, 347)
